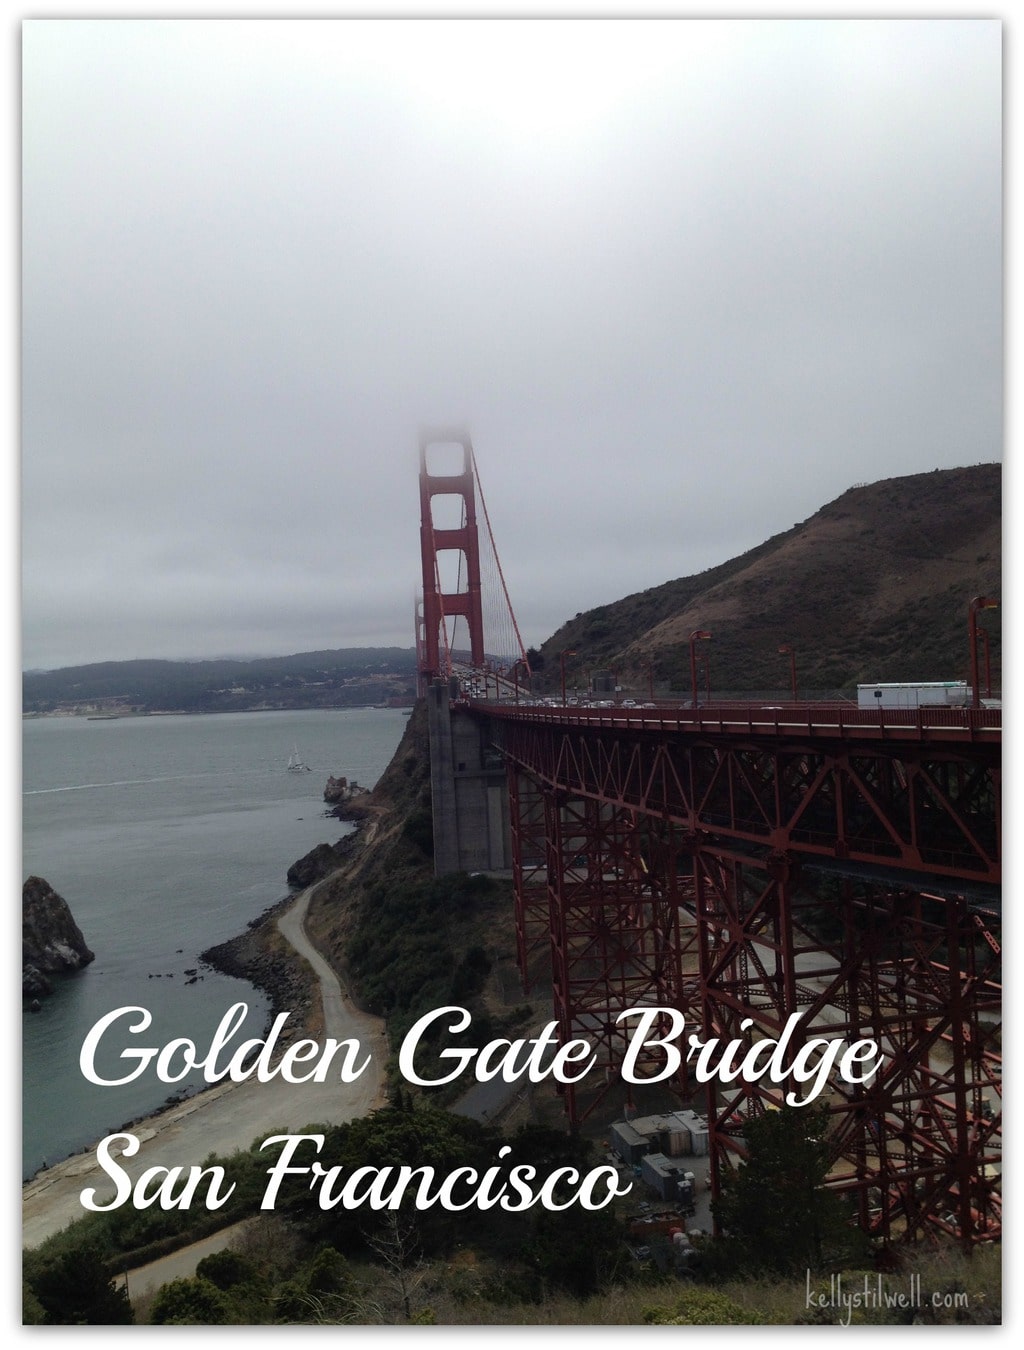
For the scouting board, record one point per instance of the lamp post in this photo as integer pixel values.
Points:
(792, 666)
(705, 658)
(988, 663)
(650, 681)
(698, 634)
(979, 602)
(561, 660)
(515, 672)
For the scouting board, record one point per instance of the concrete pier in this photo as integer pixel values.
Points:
(468, 787)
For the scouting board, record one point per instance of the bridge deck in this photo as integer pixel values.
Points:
(814, 720)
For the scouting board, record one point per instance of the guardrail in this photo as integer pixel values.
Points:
(809, 719)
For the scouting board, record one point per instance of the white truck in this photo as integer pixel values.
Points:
(932, 693)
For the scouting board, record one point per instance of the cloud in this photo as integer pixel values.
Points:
(685, 281)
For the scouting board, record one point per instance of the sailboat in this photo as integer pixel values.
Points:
(295, 764)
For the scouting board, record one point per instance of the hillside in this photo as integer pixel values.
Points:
(405, 941)
(874, 586)
(323, 679)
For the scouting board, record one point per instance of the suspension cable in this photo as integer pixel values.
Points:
(497, 560)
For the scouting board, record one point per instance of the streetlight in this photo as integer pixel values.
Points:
(561, 660)
(650, 681)
(696, 636)
(988, 663)
(979, 602)
(705, 660)
(792, 666)
(519, 661)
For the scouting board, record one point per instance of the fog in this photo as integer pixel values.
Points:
(683, 281)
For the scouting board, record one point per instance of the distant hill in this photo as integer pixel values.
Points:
(874, 586)
(322, 679)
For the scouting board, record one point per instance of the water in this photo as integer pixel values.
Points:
(165, 835)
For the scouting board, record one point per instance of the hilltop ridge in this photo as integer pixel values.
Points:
(346, 677)
(874, 586)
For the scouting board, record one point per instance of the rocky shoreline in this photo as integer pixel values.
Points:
(259, 956)
(286, 981)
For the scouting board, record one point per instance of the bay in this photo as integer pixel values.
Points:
(165, 835)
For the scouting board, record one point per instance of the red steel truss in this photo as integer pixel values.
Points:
(925, 804)
(620, 934)
(918, 1147)
(740, 878)
(529, 840)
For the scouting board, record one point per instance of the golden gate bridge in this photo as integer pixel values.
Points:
(739, 863)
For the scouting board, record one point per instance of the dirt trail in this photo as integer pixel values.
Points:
(228, 1116)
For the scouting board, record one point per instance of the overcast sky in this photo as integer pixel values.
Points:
(683, 281)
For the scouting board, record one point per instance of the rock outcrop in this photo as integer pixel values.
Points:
(347, 800)
(318, 863)
(261, 957)
(337, 790)
(51, 941)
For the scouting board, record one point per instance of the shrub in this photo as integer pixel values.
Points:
(701, 1308)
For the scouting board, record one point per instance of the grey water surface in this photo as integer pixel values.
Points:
(165, 835)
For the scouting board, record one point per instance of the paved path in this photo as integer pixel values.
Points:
(228, 1116)
(179, 1265)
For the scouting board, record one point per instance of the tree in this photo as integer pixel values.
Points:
(329, 1273)
(192, 1302)
(577, 1251)
(77, 1289)
(226, 1269)
(32, 1311)
(403, 1270)
(774, 1209)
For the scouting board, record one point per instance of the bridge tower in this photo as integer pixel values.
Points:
(440, 606)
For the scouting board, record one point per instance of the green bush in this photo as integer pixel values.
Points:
(77, 1289)
(226, 1269)
(192, 1302)
(701, 1308)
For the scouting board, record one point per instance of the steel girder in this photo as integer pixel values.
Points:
(919, 1146)
(622, 934)
(528, 832)
(930, 807)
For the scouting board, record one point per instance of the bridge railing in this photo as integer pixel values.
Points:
(812, 719)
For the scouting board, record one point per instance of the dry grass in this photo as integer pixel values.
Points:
(967, 1288)
(874, 586)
